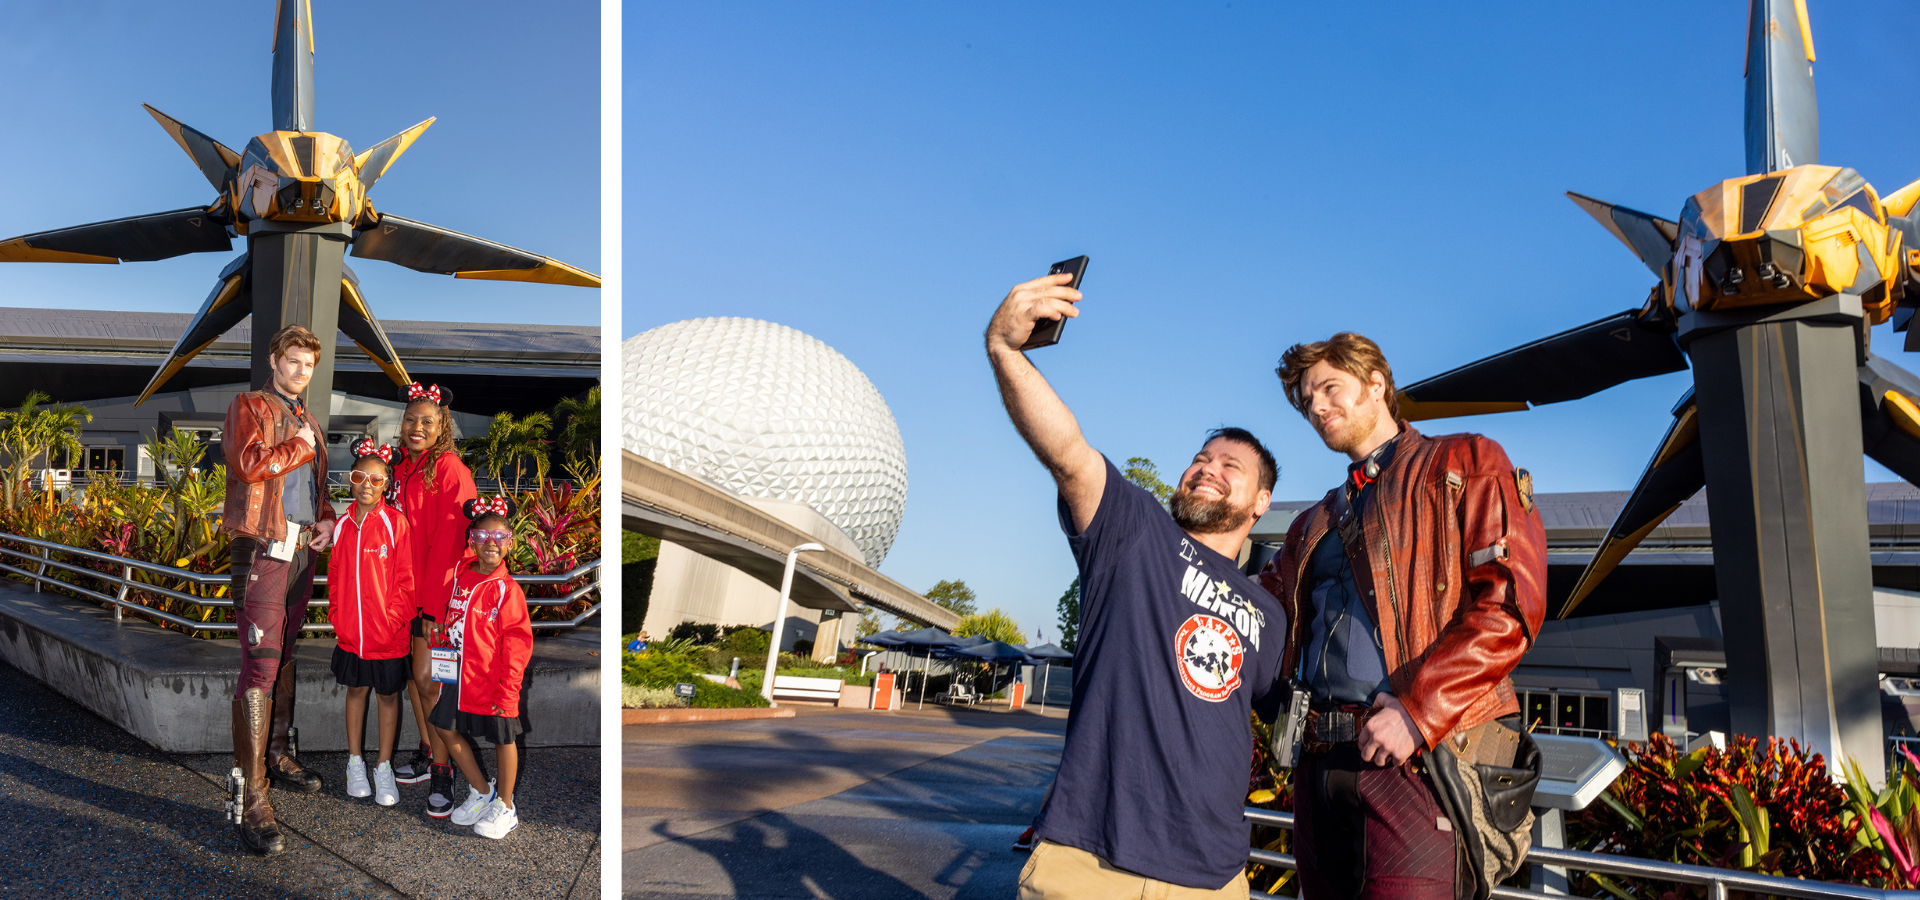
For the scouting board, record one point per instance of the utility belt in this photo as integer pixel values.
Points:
(1335, 723)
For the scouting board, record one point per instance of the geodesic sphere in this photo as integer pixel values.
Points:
(767, 411)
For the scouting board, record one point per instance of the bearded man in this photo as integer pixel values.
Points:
(1176, 647)
(279, 519)
(1413, 588)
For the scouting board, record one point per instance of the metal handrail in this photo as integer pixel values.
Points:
(1717, 881)
(125, 584)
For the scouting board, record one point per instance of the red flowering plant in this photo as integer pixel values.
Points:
(1776, 811)
(559, 525)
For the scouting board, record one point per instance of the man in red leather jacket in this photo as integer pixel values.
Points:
(278, 515)
(1411, 590)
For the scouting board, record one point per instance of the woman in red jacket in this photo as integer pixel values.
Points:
(429, 486)
(370, 600)
(489, 637)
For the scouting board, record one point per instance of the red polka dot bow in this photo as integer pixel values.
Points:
(364, 447)
(416, 391)
(499, 506)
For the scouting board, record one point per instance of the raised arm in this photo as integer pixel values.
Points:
(1037, 412)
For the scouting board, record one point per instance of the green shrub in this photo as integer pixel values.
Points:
(745, 639)
(633, 696)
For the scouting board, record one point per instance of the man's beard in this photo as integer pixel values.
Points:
(1196, 516)
(1355, 431)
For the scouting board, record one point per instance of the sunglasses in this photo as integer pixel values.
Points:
(359, 477)
(481, 536)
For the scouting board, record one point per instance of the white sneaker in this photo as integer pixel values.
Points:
(469, 812)
(357, 778)
(385, 793)
(497, 820)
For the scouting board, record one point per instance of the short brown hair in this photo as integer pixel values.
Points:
(1349, 352)
(293, 337)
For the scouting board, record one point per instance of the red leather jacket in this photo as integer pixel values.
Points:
(370, 584)
(1456, 577)
(259, 445)
(487, 620)
(439, 525)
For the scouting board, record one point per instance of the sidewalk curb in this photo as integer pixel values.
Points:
(674, 716)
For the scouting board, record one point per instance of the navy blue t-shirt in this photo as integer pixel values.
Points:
(1176, 648)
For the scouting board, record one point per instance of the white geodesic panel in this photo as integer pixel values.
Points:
(767, 411)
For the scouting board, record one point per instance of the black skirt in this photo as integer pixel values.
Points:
(385, 676)
(496, 730)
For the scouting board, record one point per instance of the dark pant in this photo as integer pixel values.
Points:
(270, 607)
(1361, 831)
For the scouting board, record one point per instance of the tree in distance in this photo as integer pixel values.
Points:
(1143, 473)
(1070, 616)
(954, 596)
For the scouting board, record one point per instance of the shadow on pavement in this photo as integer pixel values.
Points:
(773, 856)
(75, 856)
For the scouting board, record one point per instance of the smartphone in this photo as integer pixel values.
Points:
(1047, 332)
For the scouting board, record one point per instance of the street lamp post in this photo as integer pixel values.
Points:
(780, 616)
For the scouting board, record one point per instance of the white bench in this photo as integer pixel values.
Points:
(793, 687)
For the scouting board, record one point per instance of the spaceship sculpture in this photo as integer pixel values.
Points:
(1768, 286)
(299, 197)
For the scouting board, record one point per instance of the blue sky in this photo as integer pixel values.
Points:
(513, 158)
(1244, 175)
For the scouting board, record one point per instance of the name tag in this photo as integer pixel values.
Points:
(446, 665)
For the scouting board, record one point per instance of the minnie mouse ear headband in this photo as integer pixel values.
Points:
(365, 447)
(441, 396)
(497, 506)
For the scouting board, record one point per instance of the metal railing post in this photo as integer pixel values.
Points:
(41, 575)
(126, 585)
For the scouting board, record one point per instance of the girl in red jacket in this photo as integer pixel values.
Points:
(370, 600)
(491, 641)
(429, 485)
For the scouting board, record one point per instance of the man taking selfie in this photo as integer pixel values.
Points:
(1413, 588)
(1176, 647)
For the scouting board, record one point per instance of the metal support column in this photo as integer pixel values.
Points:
(1780, 432)
(296, 281)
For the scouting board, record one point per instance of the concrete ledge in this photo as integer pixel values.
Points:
(176, 692)
(672, 716)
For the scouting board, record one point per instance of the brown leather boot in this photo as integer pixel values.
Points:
(252, 716)
(282, 767)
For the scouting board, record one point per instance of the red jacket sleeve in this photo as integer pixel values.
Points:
(514, 651)
(1505, 599)
(247, 455)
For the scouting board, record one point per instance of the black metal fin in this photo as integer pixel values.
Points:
(293, 65)
(1567, 366)
(229, 302)
(1676, 472)
(217, 162)
(162, 235)
(430, 248)
(359, 325)
(1648, 236)
(1783, 113)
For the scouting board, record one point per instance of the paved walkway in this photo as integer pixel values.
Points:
(87, 810)
(834, 803)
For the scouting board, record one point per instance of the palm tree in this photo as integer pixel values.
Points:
(33, 431)
(512, 442)
(580, 437)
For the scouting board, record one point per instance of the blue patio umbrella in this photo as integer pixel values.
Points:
(1049, 653)
(929, 638)
(993, 652)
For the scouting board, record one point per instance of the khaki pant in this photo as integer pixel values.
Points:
(1060, 872)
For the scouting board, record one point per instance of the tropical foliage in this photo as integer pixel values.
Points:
(176, 522)
(36, 432)
(1773, 809)
(1141, 471)
(993, 624)
(511, 443)
(579, 436)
